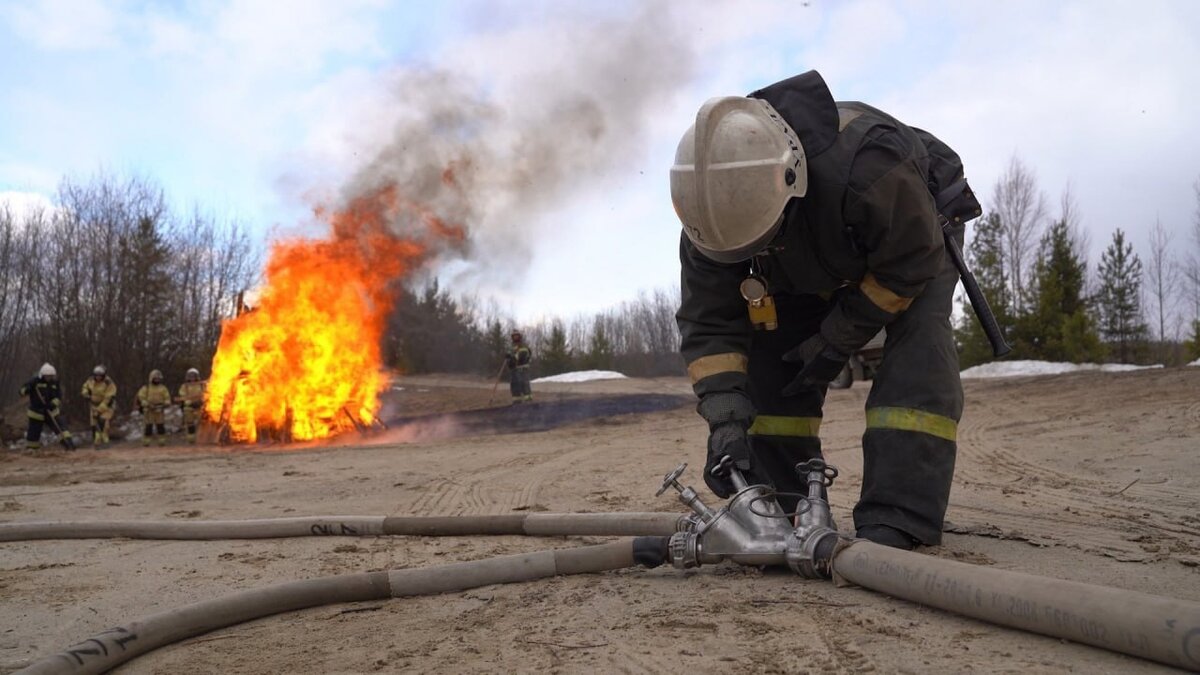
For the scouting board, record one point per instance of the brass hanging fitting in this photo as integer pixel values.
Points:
(759, 303)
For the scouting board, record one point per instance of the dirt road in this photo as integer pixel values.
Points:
(1093, 477)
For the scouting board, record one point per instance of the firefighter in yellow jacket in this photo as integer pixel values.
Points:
(101, 394)
(191, 400)
(152, 402)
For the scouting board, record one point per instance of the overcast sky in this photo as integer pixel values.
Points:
(252, 108)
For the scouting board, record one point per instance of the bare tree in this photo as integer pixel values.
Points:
(1162, 280)
(1021, 207)
(212, 263)
(1081, 238)
(17, 274)
(111, 275)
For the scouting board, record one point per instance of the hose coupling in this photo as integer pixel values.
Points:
(810, 546)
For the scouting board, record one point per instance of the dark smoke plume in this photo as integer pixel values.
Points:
(494, 156)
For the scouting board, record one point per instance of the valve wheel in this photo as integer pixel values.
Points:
(671, 480)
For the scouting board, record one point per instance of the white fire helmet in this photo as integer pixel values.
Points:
(735, 170)
(155, 376)
(99, 371)
(47, 370)
(192, 375)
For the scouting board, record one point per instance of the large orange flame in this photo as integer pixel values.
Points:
(305, 363)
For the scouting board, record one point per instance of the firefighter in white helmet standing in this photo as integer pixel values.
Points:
(45, 409)
(101, 394)
(808, 226)
(152, 400)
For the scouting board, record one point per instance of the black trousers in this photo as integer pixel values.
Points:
(33, 432)
(912, 412)
(518, 383)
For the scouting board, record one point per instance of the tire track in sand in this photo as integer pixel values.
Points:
(1013, 496)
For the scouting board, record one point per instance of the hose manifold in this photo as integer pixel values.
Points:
(751, 529)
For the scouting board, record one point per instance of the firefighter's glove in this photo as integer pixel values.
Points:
(729, 415)
(819, 361)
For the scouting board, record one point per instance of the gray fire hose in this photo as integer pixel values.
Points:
(535, 524)
(1161, 629)
(108, 649)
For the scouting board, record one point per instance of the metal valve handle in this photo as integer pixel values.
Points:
(671, 480)
(815, 465)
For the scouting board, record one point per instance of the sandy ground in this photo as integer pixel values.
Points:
(1093, 477)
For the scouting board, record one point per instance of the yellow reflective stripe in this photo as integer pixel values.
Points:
(777, 425)
(729, 362)
(883, 298)
(911, 419)
(37, 416)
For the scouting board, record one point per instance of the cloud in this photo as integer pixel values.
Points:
(23, 204)
(73, 25)
(1079, 97)
(267, 37)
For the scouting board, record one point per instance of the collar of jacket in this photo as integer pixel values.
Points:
(805, 103)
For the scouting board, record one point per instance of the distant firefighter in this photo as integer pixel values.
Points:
(45, 408)
(517, 360)
(152, 401)
(101, 394)
(191, 400)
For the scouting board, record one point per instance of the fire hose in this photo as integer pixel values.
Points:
(108, 649)
(750, 530)
(533, 524)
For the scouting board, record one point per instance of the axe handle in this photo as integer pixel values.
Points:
(978, 302)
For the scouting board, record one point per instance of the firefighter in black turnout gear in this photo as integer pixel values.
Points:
(517, 360)
(45, 409)
(808, 226)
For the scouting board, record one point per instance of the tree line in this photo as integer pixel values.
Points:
(1052, 304)
(434, 331)
(113, 275)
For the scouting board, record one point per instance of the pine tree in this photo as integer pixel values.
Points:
(986, 258)
(496, 345)
(1057, 325)
(1120, 298)
(1191, 346)
(600, 351)
(556, 357)
(146, 254)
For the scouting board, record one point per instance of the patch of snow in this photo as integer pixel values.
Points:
(582, 376)
(1024, 368)
(1195, 363)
